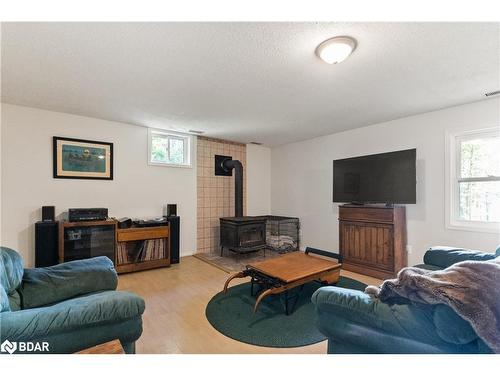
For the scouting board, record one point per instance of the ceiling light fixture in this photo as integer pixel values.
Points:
(336, 50)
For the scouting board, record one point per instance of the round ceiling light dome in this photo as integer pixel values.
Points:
(336, 50)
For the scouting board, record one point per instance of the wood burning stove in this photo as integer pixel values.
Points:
(241, 234)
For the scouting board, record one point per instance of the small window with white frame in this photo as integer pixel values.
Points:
(475, 180)
(169, 148)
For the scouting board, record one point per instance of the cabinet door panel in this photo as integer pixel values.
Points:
(368, 244)
(373, 244)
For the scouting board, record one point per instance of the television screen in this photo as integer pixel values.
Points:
(381, 178)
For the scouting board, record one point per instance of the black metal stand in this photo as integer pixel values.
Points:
(295, 297)
(311, 250)
(265, 282)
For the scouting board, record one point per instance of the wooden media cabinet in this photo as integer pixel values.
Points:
(372, 239)
(142, 248)
(131, 249)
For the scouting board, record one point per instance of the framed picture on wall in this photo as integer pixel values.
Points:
(84, 159)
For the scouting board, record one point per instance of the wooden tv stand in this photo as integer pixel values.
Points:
(372, 239)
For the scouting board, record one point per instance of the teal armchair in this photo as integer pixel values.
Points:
(354, 322)
(70, 306)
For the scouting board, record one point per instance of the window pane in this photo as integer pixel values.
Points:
(480, 201)
(480, 157)
(176, 151)
(159, 149)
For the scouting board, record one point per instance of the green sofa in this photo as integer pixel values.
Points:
(70, 306)
(354, 322)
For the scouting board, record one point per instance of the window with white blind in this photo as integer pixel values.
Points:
(169, 148)
(475, 180)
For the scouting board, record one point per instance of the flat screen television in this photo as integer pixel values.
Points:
(381, 178)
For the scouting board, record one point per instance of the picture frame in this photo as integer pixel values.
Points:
(82, 159)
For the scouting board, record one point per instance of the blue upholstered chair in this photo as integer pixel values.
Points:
(356, 323)
(72, 305)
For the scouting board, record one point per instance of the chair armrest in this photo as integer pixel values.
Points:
(339, 307)
(444, 256)
(43, 286)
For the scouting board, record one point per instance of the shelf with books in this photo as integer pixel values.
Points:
(142, 248)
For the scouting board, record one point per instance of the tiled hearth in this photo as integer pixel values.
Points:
(215, 193)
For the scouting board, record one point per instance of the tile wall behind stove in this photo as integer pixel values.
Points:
(215, 193)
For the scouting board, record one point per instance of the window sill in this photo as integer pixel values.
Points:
(156, 164)
(474, 226)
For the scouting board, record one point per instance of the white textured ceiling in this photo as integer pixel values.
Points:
(247, 81)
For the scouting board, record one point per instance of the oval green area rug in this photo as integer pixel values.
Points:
(232, 315)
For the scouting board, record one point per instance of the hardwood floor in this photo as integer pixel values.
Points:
(174, 320)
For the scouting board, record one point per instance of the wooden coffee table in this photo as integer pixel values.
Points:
(110, 347)
(279, 275)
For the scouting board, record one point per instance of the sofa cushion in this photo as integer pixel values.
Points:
(15, 301)
(11, 269)
(102, 308)
(445, 256)
(451, 327)
(4, 301)
(43, 286)
(429, 267)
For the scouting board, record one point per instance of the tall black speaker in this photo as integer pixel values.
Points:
(175, 228)
(46, 243)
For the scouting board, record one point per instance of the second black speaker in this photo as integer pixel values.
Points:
(170, 210)
(175, 231)
(48, 213)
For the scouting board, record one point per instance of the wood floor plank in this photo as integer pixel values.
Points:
(176, 297)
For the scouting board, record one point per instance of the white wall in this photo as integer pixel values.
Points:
(1, 200)
(301, 182)
(294, 179)
(258, 181)
(138, 190)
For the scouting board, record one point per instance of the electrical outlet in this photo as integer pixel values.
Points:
(409, 249)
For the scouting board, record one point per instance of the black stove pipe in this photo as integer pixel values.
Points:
(238, 184)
